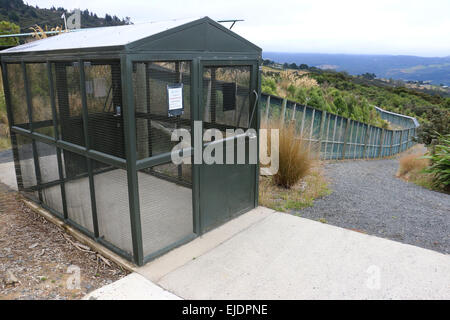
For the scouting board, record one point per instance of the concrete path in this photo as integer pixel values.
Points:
(265, 254)
(131, 287)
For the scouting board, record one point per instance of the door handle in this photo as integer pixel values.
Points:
(254, 107)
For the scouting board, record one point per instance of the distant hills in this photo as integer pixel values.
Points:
(436, 70)
(26, 16)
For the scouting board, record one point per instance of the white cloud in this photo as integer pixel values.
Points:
(347, 26)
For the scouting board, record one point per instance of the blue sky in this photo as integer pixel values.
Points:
(410, 27)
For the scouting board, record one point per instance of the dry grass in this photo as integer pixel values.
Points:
(299, 179)
(411, 168)
(411, 163)
(296, 157)
(299, 196)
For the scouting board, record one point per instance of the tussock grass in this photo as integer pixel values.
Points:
(412, 163)
(411, 169)
(299, 179)
(295, 154)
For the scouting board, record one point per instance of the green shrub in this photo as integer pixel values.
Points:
(440, 163)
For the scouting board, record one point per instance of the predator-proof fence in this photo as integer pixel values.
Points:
(340, 138)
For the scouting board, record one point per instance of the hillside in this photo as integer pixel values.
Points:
(408, 68)
(26, 16)
(354, 96)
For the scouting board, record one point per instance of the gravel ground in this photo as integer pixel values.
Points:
(6, 156)
(367, 197)
(39, 260)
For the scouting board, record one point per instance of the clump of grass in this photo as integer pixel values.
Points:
(299, 196)
(411, 164)
(295, 157)
(440, 163)
(412, 169)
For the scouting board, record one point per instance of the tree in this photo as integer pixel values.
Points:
(303, 66)
(9, 28)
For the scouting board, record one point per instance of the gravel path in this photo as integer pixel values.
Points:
(367, 197)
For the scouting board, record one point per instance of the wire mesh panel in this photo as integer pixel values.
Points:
(226, 96)
(154, 124)
(78, 197)
(69, 102)
(166, 212)
(104, 105)
(113, 213)
(26, 161)
(50, 181)
(17, 95)
(41, 110)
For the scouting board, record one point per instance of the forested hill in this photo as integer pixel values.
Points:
(354, 96)
(26, 16)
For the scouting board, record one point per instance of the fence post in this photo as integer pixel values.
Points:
(366, 138)
(407, 140)
(283, 110)
(344, 146)
(303, 120)
(267, 109)
(311, 130)
(293, 111)
(401, 142)
(392, 142)
(380, 150)
(322, 127)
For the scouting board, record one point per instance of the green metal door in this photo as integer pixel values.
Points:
(228, 102)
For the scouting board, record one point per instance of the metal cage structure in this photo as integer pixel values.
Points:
(91, 130)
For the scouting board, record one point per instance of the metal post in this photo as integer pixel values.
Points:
(85, 117)
(311, 130)
(344, 145)
(267, 110)
(130, 149)
(293, 111)
(392, 142)
(37, 167)
(380, 150)
(356, 141)
(322, 127)
(401, 142)
(10, 123)
(334, 135)
(283, 110)
(303, 121)
(328, 132)
(366, 140)
(56, 129)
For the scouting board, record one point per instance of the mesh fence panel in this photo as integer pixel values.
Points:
(26, 161)
(69, 104)
(48, 164)
(113, 213)
(226, 96)
(166, 212)
(104, 104)
(38, 85)
(154, 126)
(17, 95)
(78, 197)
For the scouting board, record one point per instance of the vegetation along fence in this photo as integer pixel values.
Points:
(339, 137)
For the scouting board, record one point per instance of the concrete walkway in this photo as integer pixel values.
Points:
(265, 254)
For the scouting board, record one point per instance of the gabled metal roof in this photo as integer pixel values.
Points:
(130, 36)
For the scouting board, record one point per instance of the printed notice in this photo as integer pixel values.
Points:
(175, 95)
